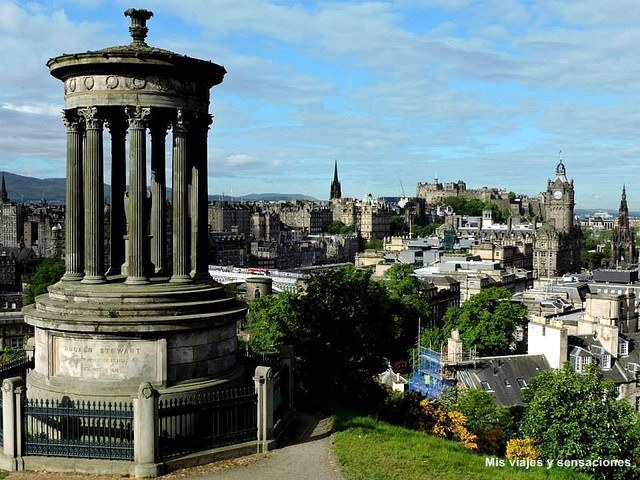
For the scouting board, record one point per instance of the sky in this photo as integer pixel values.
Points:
(397, 92)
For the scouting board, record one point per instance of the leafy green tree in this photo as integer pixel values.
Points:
(487, 321)
(47, 273)
(268, 319)
(512, 196)
(341, 328)
(348, 230)
(427, 230)
(576, 416)
(374, 244)
(335, 227)
(396, 225)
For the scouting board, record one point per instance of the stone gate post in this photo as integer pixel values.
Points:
(12, 391)
(263, 380)
(145, 431)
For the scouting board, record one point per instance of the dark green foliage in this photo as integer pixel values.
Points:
(574, 416)
(337, 227)
(427, 230)
(474, 207)
(590, 257)
(341, 328)
(47, 273)
(10, 354)
(374, 244)
(487, 321)
(396, 225)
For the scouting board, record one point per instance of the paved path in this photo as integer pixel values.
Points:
(305, 453)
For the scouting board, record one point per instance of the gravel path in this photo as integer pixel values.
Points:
(305, 453)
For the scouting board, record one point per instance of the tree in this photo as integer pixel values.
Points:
(341, 328)
(427, 230)
(335, 227)
(268, 319)
(396, 225)
(576, 416)
(47, 273)
(487, 321)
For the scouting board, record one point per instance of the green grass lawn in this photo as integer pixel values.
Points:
(368, 449)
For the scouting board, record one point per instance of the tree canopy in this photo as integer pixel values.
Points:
(47, 273)
(576, 416)
(487, 321)
(342, 326)
(474, 207)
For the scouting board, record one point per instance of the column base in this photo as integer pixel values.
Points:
(180, 279)
(200, 276)
(94, 279)
(72, 277)
(137, 281)
(114, 271)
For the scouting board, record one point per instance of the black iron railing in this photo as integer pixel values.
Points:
(81, 429)
(205, 421)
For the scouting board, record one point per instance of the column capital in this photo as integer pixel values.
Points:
(71, 120)
(137, 116)
(91, 117)
(116, 123)
(184, 120)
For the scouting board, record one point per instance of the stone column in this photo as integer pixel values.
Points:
(138, 254)
(74, 235)
(200, 201)
(12, 443)
(180, 189)
(118, 129)
(158, 128)
(263, 381)
(145, 431)
(93, 197)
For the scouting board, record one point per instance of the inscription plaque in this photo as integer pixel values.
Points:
(106, 359)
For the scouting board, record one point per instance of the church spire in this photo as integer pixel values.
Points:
(336, 190)
(4, 196)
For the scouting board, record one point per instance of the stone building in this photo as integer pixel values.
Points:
(306, 216)
(557, 239)
(12, 217)
(374, 218)
(230, 217)
(265, 225)
(623, 247)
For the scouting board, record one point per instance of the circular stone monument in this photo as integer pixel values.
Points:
(148, 311)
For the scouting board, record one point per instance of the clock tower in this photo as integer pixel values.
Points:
(557, 240)
(558, 201)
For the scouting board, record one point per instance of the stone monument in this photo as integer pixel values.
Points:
(146, 316)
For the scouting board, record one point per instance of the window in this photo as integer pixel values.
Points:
(623, 347)
(485, 386)
(605, 361)
(521, 382)
(507, 383)
(638, 404)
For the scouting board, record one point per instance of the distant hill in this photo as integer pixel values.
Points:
(30, 189)
(268, 197)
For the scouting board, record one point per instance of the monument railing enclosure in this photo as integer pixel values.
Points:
(147, 435)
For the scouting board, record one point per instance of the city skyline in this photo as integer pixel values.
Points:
(487, 92)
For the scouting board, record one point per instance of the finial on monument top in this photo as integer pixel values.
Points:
(138, 28)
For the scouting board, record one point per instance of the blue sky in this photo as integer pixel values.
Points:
(485, 91)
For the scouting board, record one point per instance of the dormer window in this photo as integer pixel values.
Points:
(623, 347)
(521, 382)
